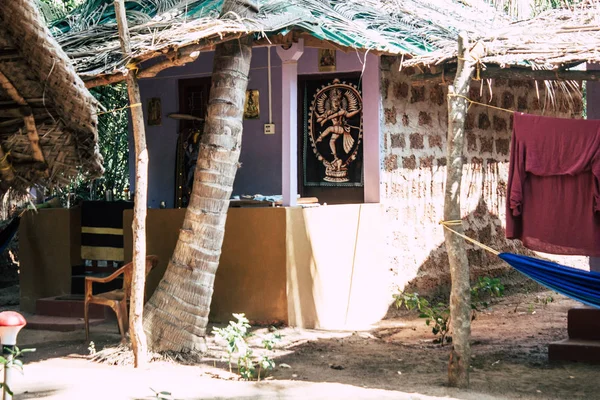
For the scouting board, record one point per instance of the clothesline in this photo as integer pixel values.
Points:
(480, 104)
(447, 224)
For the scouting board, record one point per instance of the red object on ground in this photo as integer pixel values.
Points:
(12, 318)
(553, 202)
(11, 323)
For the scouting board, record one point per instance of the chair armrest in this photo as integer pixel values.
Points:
(109, 278)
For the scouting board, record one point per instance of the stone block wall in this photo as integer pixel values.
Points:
(414, 127)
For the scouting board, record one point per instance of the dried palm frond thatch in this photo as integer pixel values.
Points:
(423, 30)
(158, 28)
(554, 40)
(47, 117)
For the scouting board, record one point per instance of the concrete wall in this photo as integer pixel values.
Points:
(414, 171)
(49, 245)
(336, 278)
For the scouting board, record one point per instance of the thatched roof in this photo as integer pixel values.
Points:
(555, 40)
(47, 116)
(414, 27)
(423, 30)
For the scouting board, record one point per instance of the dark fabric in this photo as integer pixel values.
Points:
(8, 233)
(583, 286)
(104, 214)
(102, 229)
(91, 239)
(553, 196)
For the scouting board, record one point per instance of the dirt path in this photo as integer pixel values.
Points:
(397, 356)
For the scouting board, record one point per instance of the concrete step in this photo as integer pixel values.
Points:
(58, 324)
(584, 323)
(575, 350)
(69, 307)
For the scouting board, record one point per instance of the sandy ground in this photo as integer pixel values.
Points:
(396, 359)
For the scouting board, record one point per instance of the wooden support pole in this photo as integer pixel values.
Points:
(460, 295)
(138, 282)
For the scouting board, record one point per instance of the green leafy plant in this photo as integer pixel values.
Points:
(92, 348)
(485, 291)
(436, 316)
(235, 335)
(13, 362)
(544, 300)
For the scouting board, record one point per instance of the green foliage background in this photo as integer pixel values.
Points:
(112, 127)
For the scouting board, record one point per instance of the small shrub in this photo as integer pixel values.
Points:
(235, 335)
(14, 362)
(437, 317)
(485, 291)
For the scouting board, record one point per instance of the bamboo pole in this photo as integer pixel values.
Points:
(460, 295)
(136, 329)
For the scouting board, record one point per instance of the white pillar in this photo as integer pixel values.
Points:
(289, 113)
(371, 133)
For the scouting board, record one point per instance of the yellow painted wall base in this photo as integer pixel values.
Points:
(311, 268)
(49, 245)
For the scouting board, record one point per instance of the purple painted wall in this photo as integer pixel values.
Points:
(261, 154)
(261, 165)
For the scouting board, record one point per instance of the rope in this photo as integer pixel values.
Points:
(120, 109)
(447, 224)
(480, 104)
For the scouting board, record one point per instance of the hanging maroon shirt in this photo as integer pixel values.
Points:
(553, 185)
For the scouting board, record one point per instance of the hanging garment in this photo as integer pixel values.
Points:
(553, 194)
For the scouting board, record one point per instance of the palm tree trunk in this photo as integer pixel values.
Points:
(176, 315)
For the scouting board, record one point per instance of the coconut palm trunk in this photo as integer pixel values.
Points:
(176, 315)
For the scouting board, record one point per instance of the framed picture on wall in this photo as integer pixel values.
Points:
(326, 60)
(154, 112)
(251, 106)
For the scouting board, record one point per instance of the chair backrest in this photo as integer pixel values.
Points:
(151, 263)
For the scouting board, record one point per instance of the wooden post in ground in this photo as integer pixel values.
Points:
(136, 329)
(460, 295)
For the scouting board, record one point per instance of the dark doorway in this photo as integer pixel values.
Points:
(330, 151)
(193, 103)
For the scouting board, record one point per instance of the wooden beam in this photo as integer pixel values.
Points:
(30, 126)
(179, 58)
(16, 111)
(509, 73)
(138, 281)
(104, 80)
(183, 55)
(10, 55)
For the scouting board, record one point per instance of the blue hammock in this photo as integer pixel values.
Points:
(577, 284)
